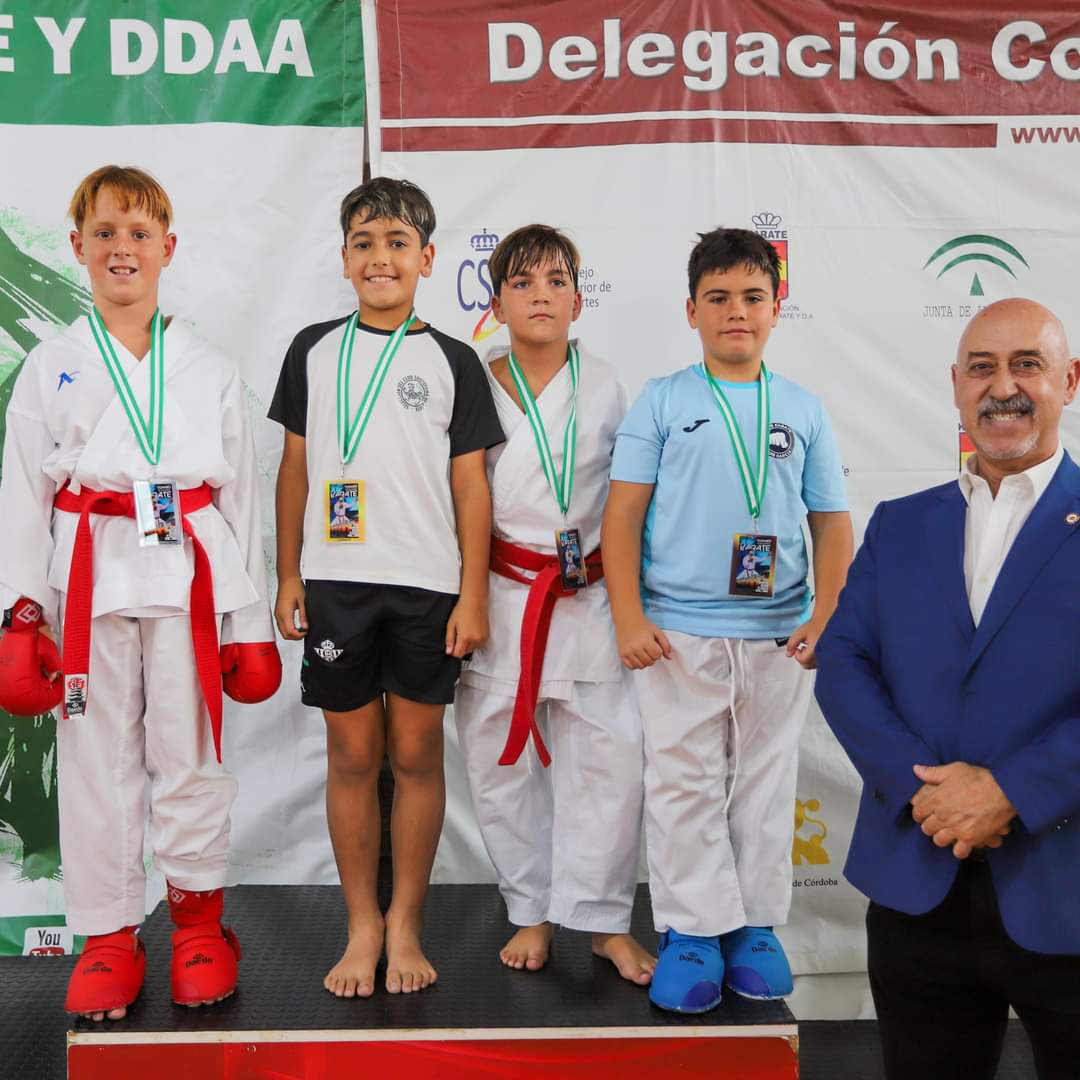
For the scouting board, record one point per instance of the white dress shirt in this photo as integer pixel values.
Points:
(994, 523)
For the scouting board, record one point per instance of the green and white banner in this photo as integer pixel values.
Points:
(252, 116)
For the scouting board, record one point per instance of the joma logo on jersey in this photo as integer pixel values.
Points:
(328, 651)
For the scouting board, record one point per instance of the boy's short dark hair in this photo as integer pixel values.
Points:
(527, 248)
(722, 249)
(384, 198)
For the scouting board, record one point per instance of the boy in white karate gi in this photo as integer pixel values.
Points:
(564, 840)
(114, 416)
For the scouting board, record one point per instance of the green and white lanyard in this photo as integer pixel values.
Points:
(562, 487)
(351, 427)
(147, 428)
(753, 479)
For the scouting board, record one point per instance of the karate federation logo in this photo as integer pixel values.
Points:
(770, 226)
(809, 849)
(328, 651)
(781, 440)
(413, 392)
(474, 291)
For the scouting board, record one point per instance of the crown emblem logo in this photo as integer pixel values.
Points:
(767, 220)
(484, 241)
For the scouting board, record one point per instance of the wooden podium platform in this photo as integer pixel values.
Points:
(575, 1019)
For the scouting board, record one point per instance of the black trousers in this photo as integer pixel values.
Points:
(943, 983)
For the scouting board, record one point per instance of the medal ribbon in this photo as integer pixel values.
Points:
(147, 428)
(350, 428)
(753, 481)
(562, 487)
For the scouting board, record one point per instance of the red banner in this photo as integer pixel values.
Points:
(505, 74)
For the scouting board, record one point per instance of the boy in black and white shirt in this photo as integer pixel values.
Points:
(383, 524)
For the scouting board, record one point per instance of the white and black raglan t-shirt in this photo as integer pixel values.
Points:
(435, 404)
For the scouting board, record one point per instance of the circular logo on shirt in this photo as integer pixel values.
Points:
(781, 440)
(412, 392)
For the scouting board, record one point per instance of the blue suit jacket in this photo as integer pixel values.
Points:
(905, 677)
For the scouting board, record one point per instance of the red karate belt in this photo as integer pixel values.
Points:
(79, 607)
(544, 589)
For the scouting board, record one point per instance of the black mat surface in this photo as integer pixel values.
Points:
(291, 935)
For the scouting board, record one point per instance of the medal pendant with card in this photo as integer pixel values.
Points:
(571, 558)
(753, 566)
(157, 512)
(343, 511)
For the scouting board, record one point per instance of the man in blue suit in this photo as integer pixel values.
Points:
(950, 673)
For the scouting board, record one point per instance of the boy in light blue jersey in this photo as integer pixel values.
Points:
(714, 471)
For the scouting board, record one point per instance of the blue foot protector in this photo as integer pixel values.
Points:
(755, 964)
(689, 973)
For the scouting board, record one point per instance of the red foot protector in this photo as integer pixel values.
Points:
(109, 974)
(27, 660)
(203, 963)
(204, 951)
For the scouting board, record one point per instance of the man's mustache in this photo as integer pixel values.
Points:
(1017, 403)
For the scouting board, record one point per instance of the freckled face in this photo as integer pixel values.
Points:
(124, 252)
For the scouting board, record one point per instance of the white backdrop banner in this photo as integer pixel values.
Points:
(911, 167)
(252, 118)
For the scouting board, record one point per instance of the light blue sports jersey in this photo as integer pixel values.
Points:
(674, 436)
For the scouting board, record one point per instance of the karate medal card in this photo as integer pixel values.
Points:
(343, 511)
(753, 566)
(571, 559)
(157, 512)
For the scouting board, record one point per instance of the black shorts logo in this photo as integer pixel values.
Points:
(328, 651)
(413, 392)
(781, 440)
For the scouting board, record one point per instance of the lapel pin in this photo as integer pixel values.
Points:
(1072, 519)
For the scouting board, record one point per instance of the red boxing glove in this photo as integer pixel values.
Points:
(250, 670)
(27, 659)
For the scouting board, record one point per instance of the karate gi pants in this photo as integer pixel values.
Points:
(146, 725)
(711, 869)
(565, 840)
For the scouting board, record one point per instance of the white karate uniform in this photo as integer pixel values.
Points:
(722, 719)
(146, 720)
(564, 840)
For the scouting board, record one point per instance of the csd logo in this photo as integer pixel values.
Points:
(474, 291)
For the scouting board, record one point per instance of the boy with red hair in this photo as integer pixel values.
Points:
(129, 486)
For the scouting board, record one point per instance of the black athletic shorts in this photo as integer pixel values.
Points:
(364, 640)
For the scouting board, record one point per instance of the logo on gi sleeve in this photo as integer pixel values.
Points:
(781, 440)
(413, 392)
(328, 651)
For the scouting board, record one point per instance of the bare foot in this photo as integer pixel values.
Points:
(354, 974)
(528, 948)
(112, 1014)
(408, 970)
(630, 959)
